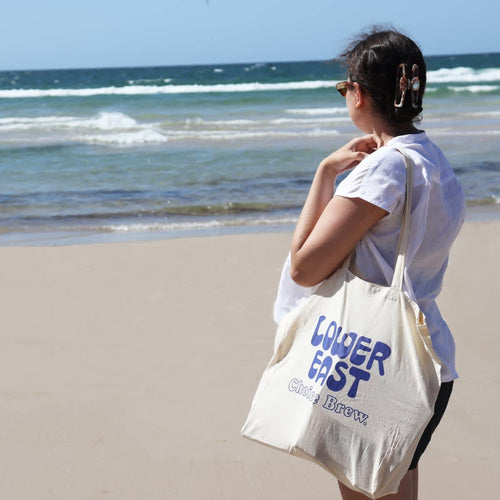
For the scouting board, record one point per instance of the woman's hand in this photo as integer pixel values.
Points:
(329, 227)
(352, 153)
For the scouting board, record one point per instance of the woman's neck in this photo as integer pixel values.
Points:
(386, 133)
(367, 119)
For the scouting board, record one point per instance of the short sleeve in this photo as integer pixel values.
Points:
(379, 179)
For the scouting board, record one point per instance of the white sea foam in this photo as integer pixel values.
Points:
(299, 122)
(116, 128)
(197, 225)
(308, 121)
(109, 120)
(486, 114)
(318, 111)
(133, 138)
(463, 133)
(146, 87)
(463, 75)
(255, 66)
(160, 226)
(146, 81)
(230, 123)
(232, 135)
(109, 127)
(165, 89)
(474, 89)
(112, 120)
(19, 123)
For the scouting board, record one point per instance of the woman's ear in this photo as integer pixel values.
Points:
(359, 98)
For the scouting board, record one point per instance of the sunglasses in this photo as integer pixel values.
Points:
(342, 87)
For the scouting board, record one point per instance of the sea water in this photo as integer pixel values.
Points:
(147, 152)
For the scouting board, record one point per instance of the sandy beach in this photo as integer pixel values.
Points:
(127, 370)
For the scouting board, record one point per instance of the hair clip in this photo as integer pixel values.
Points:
(414, 86)
(402, 84)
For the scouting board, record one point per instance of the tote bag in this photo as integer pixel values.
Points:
(353, 379)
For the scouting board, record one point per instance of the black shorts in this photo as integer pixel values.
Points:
(439, 409)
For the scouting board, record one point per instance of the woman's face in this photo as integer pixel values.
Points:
(359, 108)
(351, 99)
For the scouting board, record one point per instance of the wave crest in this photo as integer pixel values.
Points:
(165, 86)
(166, 89)
(463, 75)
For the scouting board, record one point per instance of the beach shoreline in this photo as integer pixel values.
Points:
(128, 370)
(474, 213)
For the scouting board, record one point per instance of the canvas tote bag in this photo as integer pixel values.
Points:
(353, 379)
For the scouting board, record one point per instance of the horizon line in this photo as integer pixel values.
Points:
(332, 59)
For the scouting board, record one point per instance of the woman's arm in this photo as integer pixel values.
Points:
(329, 227)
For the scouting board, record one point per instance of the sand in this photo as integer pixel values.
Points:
(127, 370)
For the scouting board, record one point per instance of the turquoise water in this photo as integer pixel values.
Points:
(169, 151)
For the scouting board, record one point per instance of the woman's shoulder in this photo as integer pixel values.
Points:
(386, 164)
(386, 158)
(379, 179)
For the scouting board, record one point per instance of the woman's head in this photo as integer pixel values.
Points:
(390, 68)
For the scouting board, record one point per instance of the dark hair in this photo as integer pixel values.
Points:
(373, 59)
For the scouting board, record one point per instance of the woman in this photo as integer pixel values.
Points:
(386, 82)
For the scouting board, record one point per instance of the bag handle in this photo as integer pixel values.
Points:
(397, 279)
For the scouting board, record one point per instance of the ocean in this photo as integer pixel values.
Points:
(155, 152)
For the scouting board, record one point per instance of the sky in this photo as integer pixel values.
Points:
(56, 34)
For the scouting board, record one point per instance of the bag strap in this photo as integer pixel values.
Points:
(397, 279)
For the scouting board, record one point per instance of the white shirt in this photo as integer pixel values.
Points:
(437, 214)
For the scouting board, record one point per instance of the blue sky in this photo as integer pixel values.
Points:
(42, 34)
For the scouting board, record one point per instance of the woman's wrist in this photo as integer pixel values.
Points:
(327, 169)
